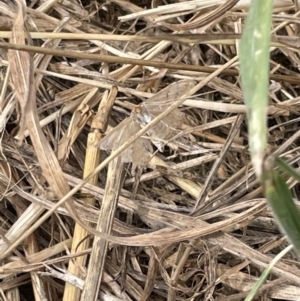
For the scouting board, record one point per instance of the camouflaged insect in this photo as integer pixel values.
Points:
(140, 151)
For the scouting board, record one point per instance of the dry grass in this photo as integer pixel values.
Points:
(191, 222)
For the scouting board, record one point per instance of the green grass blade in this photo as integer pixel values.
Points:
(266, 273)
(285, 167)
(254, 69)
(281, 201)
(254, 63)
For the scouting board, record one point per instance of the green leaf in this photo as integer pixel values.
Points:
(266, 273)
(285, 167)
(281, 201)
(254, 63)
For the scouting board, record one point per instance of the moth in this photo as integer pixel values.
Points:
(140, 151)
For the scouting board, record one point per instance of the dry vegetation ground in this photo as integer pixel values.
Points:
(191, 223)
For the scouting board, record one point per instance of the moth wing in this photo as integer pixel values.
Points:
(141, 149)
(172, 120)
(110, 141)
(163, 99)
(172, 92)
(118, 136)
